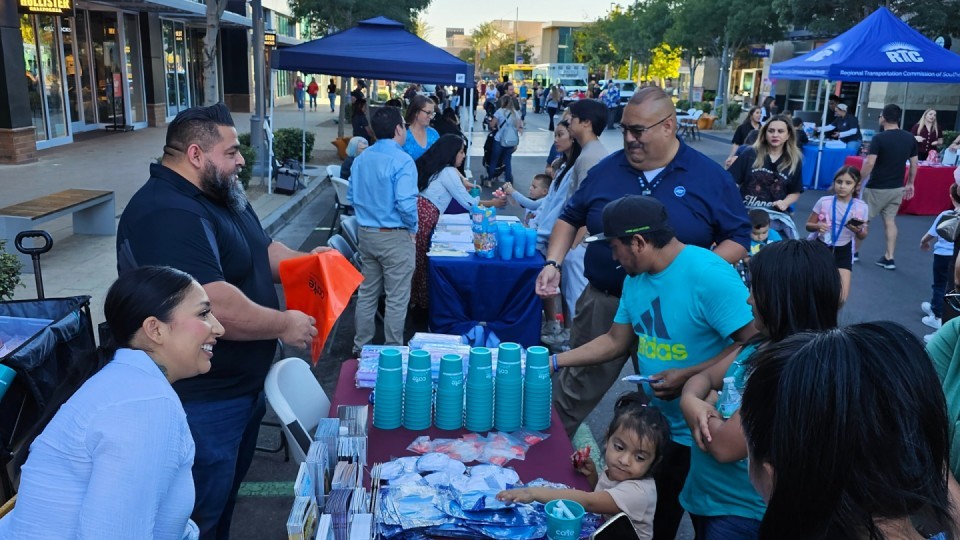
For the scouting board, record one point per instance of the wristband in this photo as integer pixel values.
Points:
(556, 366)
(553, 263)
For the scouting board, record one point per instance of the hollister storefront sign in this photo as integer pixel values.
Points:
(63, 8)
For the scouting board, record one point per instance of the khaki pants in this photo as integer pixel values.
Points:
(388, 260)
(577, 390)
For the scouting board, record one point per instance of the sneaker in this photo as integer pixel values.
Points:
(927, 338)
(931, 321)
(884, 262)
(927, 309)
(856, 257)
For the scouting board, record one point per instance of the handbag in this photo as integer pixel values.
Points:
(510, 137)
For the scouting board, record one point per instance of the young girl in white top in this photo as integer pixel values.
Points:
(636, 439)
(838, 219)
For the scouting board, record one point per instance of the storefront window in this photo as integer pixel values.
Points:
(44, 75)
(103, 36)
(134, 67)
(175, 64)
(77, 53)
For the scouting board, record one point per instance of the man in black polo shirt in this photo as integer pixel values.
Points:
(885, 189)
(704, 208)
(192, 215)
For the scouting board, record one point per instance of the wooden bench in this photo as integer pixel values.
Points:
(94, 212)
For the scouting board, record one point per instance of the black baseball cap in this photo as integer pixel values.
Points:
(633, 214)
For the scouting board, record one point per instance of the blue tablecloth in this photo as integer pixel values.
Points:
(465, 291)
(830, 163)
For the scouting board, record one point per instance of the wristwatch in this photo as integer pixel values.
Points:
(553, 263)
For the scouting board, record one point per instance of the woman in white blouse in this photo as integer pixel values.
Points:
(115, 461)
(440, 182)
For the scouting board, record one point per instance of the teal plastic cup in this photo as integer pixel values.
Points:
(564, 528)
(391, 358)
(531, 245)
(418, 360)
(506, 247)
(519, 242)
(538, 356)
(451, 363)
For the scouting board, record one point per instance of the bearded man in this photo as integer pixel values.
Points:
(192, 214)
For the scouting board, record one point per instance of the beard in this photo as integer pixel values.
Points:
(224, 188)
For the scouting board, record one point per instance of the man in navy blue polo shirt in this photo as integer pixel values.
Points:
(704, 208)
(192, 215)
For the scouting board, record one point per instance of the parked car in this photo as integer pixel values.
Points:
(627, 88)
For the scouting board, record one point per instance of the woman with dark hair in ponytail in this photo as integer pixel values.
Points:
(116, 460)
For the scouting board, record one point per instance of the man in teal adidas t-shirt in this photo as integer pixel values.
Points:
(684, 307)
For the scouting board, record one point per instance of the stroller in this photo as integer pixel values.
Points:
(780, 222)
(490, 109)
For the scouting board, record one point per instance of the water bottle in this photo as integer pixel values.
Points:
(729, 401)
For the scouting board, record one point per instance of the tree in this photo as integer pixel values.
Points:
(211, 75)
(695, 34)
(664, 62)
(421, 28)
(593, 46)
(483, 40)
(930, 17)
(328, 16)
(503, 53)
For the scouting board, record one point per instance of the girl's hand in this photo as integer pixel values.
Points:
(823, 228)
(519, 495)
(918, 138)
(588, 468)
(855, 228)
(698, 413)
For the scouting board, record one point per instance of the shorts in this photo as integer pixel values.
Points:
(842, 255)
(883, 202)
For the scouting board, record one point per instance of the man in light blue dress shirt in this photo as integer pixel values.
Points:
(383, 191)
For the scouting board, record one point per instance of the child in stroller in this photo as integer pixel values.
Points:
(490, 109)
(766, 226)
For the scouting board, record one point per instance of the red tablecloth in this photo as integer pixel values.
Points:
(931, 188)
(549, 459)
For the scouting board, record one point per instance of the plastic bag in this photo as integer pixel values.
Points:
(319, 285)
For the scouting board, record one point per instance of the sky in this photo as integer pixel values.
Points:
(467, 14)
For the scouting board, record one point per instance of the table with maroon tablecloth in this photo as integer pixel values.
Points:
(549, 459)
(931, 189)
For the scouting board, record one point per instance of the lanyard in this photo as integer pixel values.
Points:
(647, 185)
(835, 230)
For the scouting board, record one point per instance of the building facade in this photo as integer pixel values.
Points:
(119, 65)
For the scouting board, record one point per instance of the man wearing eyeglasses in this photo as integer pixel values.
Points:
(704, 208)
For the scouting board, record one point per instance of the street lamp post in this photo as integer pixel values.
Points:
(259, 111)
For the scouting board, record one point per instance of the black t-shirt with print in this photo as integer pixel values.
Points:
(764, 185)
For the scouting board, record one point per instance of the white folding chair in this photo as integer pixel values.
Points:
(350, 230)
(333, 171)
(298, 400)
(340, 244)
(343, 206)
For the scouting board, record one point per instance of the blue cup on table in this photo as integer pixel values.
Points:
(564, 527)
(531, 245)
(7, 374)
(519, 241)
(506, 246)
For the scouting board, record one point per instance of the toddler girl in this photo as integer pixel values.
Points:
(636, 440)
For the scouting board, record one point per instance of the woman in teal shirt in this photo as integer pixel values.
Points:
(794, 288)
(420, 136)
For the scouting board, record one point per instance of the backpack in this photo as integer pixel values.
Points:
(509, 136)
(947, 226)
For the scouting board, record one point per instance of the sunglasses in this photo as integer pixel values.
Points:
(638, 131)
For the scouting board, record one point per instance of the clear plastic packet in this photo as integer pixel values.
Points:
(531, 437)
(432, 461)
(421, 445)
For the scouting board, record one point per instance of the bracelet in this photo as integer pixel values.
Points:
(553, 263)
(556, 366)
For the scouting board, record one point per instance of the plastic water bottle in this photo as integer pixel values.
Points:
(729, 401)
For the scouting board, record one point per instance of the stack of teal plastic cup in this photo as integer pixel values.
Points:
(418, 392)
(509, 389)
(388, 392)
(449, 408)
(537, 390)
(479, 391)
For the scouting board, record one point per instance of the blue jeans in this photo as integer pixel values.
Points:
(941, 274)
(725, 528)
(854, 147)
(298, 94)
(333, 101)
(225, 434)
(498, 153)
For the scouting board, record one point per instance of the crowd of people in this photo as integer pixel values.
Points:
(840, 432)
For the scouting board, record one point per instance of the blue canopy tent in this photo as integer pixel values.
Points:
(880, 48)
(378, 48)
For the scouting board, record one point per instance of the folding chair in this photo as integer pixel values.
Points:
(298, 400)
(342, 206)
(350, 230)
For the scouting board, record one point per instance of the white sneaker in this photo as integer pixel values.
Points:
(550, 330)
(931, 321)
(925, 307)
(927, 338)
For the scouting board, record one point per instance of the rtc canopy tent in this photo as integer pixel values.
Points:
(880, 48)
(377, 48)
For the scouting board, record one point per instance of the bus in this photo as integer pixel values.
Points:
(517, 72)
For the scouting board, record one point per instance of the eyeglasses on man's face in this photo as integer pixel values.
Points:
(638, 131)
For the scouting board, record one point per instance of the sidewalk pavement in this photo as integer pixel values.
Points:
(84, 264)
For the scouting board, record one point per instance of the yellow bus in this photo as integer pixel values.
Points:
(517, 72)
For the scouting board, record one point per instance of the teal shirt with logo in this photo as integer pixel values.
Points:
(722, 489)
(683, 316)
